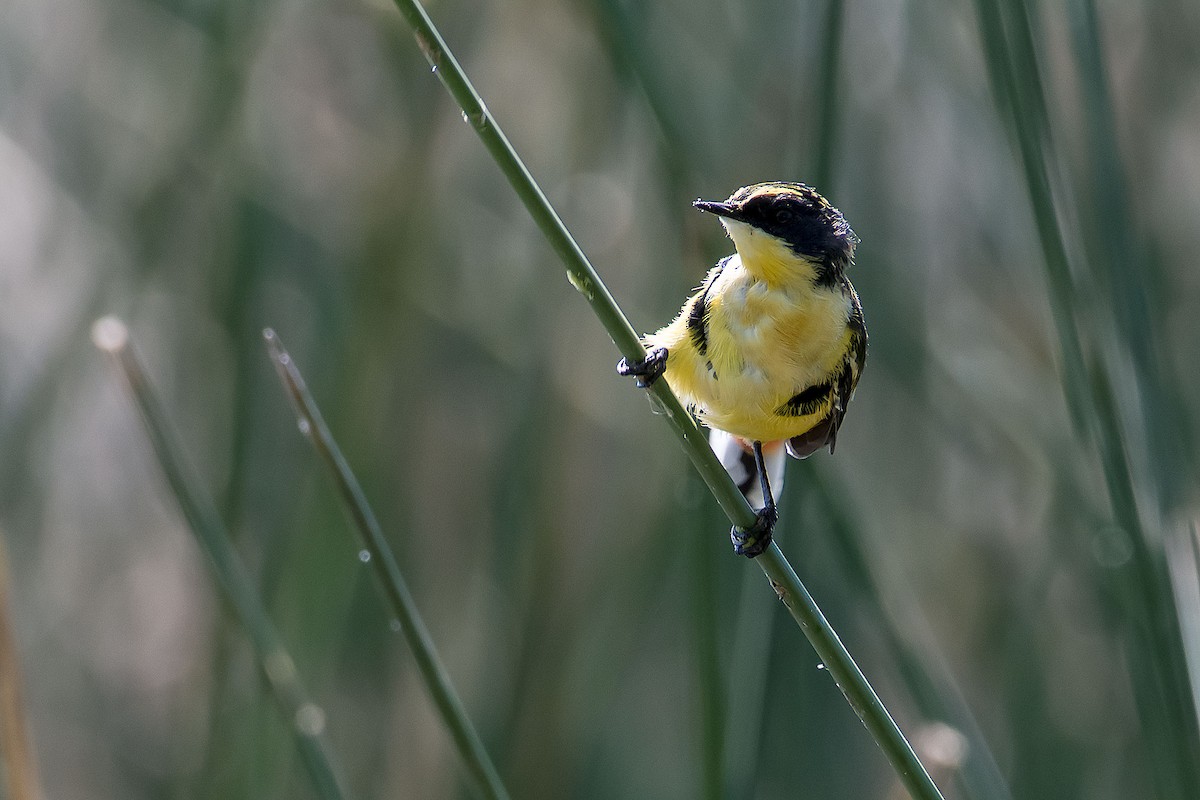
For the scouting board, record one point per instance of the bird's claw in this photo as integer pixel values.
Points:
(751, 542)
(646, 371)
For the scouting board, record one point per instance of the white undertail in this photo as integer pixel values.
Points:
(739, 463)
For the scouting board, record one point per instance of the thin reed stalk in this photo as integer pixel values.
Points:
(378, 555)
(304, 718)
(1141, 587)
(583, 276)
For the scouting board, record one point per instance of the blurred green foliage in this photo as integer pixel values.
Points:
(207, 169)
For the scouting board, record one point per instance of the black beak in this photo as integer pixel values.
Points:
(720, 209)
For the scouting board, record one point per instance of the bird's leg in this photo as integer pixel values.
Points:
(648, 370)
(752, 541)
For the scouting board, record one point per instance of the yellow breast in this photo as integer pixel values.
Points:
(766, 340)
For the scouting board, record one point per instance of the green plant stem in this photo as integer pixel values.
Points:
(846, 674)
(1158, 662)
(579, 270)
(387, 571)
(304, 718)
(1120, 258)
(841, 666)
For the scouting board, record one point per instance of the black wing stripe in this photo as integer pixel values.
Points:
(697, 321)
(807, 401)
(841, 385)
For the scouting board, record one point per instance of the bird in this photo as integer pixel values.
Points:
(768, 350)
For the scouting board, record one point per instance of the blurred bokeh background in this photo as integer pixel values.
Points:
(1004, 538)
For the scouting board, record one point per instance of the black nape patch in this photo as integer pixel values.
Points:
(831, 269)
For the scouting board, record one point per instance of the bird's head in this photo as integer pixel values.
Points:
(772, 224)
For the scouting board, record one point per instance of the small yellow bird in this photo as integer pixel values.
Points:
(770, 347)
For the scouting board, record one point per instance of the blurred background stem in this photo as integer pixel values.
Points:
(378, 554)
(1155, 649)
(304, 718)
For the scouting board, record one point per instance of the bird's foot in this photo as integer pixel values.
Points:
(751, 542)
(648, 370)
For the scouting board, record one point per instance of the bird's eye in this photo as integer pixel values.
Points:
(783, 215)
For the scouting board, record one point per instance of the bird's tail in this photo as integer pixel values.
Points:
(737, 456)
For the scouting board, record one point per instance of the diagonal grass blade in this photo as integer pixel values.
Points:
(305, 719)
(387, 571)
